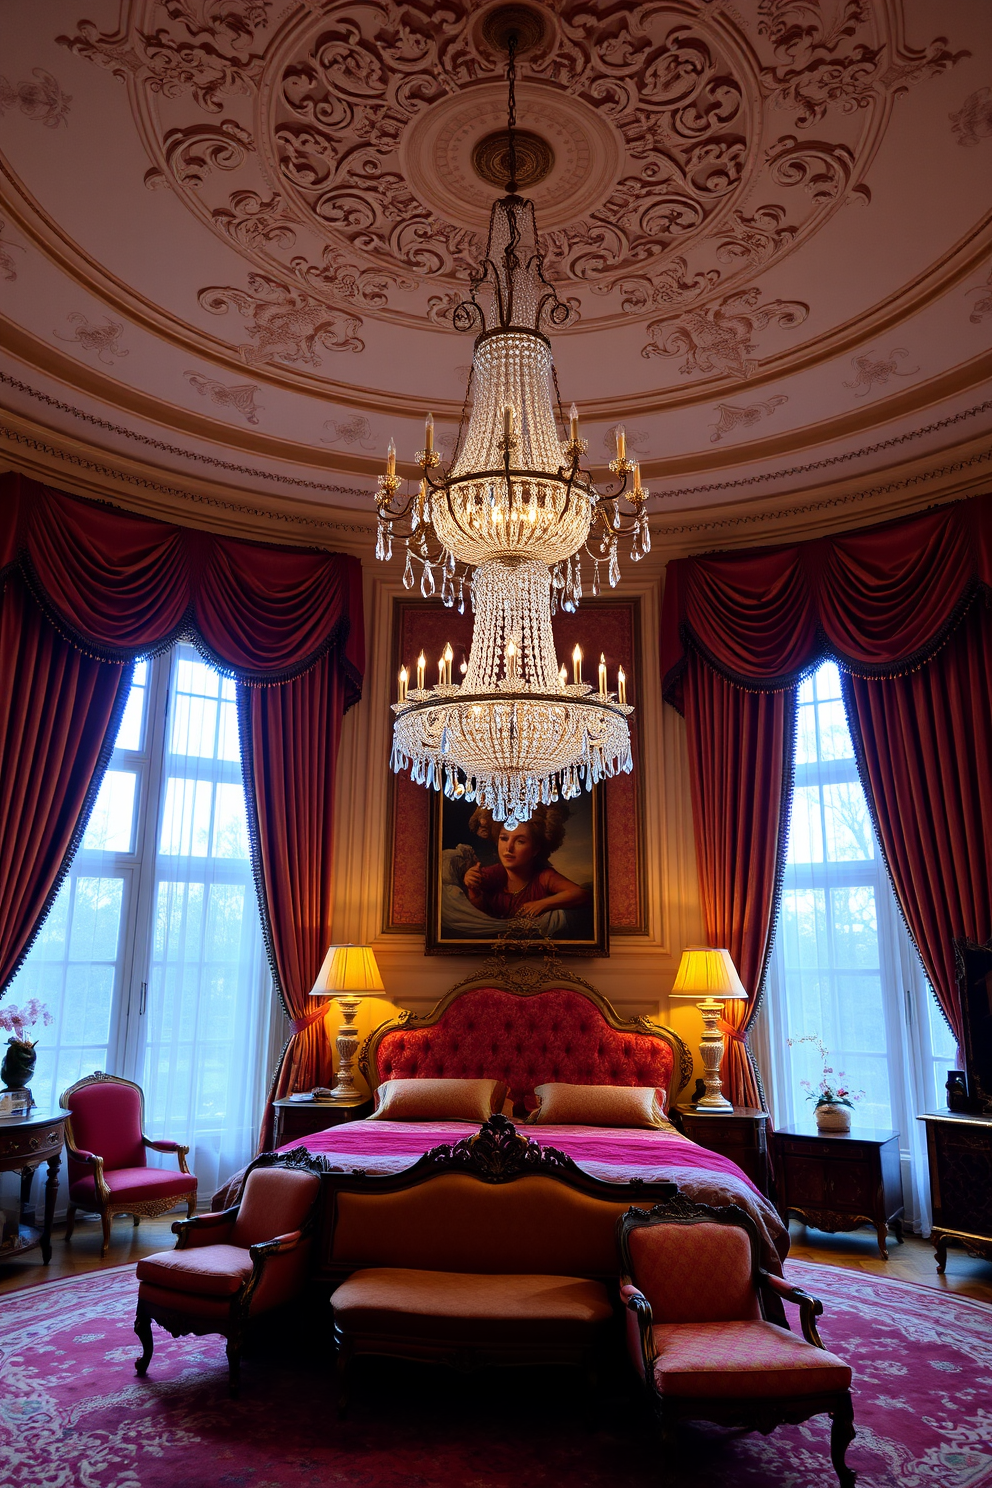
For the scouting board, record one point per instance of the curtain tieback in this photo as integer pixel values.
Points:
(731, 1033)
(300, 1025)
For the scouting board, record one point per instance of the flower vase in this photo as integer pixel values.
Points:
(18, 1064)
(830, 1117)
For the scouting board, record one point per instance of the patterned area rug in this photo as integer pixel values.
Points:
(73, 1412)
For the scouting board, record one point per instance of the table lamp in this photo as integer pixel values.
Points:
(347, 973)
(710, 977)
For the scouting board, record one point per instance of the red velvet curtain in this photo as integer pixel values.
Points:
(924, 746)
(287, 622)
(740, 766)
(289, 743)
(59, 714)
(892, 605)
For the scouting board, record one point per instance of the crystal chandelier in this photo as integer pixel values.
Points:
(511, 520)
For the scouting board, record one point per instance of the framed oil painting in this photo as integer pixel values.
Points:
(551, 870)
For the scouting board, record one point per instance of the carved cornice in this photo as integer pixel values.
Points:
(72, 468)
(136, 487)
(910, 400)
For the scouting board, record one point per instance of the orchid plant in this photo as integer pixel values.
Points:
(830, 1091)
(15, 1020)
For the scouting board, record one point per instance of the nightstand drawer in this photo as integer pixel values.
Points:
(825, 1148)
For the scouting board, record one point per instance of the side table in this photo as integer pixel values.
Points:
(25, 1143)
(294, 1119)
(840, 1180)
(741, 1134)
(959, 1147)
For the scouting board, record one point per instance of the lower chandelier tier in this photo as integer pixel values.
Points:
(513, 752)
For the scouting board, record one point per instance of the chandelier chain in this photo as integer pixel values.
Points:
(511, 113)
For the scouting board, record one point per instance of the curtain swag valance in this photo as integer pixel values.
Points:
(880, 601)
(120, 586)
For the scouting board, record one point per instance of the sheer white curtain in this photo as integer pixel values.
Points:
(209, 990)
(843, 966)
(151, 960)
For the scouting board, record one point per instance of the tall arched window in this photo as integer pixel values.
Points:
(843, 967)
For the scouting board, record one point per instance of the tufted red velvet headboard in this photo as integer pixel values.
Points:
(566, 1032)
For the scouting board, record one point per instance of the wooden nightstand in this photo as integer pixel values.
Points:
(741, 1134)
(960, 1151)
(840, 1180)
(295, 1119)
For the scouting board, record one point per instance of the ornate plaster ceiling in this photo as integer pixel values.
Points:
(234, 233)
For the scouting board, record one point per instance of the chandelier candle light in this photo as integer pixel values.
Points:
(510, 520)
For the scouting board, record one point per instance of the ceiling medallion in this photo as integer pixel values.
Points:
(535, 159)
(512, 514)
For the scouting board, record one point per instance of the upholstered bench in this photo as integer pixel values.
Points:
(493, 1251)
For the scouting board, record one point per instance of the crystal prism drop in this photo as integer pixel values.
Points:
(614, 567)
(427, 581)
(408, 571)
(595, 576)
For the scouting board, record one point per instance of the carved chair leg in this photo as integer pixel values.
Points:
(135, 1220)
(70, 1221)
(191, 1206)
(342, 1376)
(842, 1433)
(106, 1217)
(143, 1328)
(667, 1428)
(941, 1253)
(234, 1365)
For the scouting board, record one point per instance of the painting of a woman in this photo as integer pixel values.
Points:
(545, 870)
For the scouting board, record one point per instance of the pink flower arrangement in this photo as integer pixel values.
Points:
(827, 1092)
(14, 1020)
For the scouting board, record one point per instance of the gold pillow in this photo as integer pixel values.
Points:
(598, 1105)
(439, 1100)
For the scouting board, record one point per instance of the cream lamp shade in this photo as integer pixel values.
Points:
(347, 972)
(710, 978)
(707, 973)
(347, 968)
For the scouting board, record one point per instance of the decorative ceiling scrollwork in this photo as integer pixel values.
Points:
(349, 129)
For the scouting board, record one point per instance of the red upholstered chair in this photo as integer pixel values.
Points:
(227, 1268)
(107, 1151)
(707, 1331)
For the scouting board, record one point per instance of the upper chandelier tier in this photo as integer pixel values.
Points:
(515, 489)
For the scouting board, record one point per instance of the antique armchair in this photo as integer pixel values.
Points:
(228, 1268)
(707, 1331)
(107, 1151)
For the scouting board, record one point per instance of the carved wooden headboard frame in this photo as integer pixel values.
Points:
(529, 980)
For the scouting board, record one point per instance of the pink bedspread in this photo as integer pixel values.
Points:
(610, 1153)
(626, 1152)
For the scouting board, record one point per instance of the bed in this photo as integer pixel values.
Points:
(525, 1030)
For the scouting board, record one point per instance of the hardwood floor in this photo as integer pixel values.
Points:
(911, 1261)
(82, 1252)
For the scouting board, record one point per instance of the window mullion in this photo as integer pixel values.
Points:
(141, 926)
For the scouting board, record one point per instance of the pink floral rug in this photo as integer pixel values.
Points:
(73, 1412)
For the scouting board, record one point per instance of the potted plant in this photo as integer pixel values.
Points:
(19, 1060)
(833, 1101)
